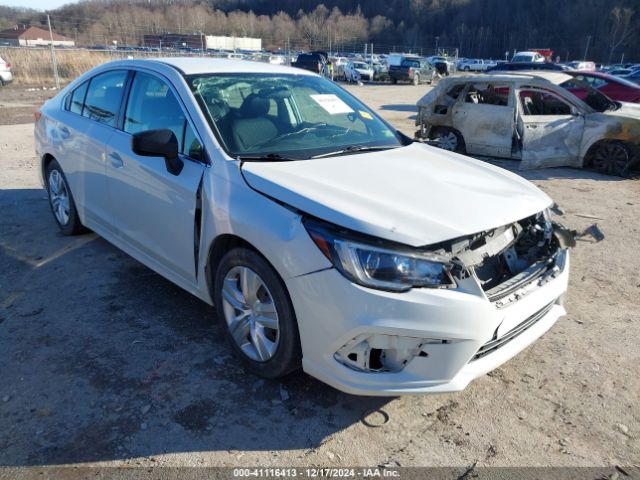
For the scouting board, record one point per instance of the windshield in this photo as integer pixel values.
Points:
(287, 116)
(589, 95)
(360, 65)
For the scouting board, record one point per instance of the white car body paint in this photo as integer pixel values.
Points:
(415, 195)
(466, 194)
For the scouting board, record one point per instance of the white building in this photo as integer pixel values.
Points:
(233, 43)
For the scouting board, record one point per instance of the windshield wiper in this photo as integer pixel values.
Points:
(267, 157)
(355, 149)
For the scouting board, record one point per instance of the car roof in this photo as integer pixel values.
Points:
(199, 65)
(555, 77)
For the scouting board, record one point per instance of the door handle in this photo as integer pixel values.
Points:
(64, 132)
(116, 160)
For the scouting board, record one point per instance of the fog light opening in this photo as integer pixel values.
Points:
(382, 353)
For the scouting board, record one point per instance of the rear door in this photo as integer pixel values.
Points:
(155, 211)
(550, 129)
(89, 120)
(485, 116)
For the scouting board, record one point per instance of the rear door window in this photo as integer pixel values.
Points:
(104, 96)
(488, 94)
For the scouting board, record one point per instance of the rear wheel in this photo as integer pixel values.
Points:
(394, 81)
(416, 79)
(61, 201)
(254, 308)
(447, 139)
(612, 158)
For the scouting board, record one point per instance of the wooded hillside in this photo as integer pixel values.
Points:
(478, 28)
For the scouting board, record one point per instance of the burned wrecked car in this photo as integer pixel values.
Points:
(544, 119)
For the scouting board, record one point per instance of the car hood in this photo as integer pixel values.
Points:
(626, 110)
(417, 195)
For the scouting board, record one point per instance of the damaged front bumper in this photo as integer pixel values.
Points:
(371, 342)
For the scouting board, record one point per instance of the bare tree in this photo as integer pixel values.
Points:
(621, 28)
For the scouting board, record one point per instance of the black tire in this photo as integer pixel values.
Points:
(416, 79)
(288, 353)
(73, 226)
(612, 158)
(394, 81)
(450, 134)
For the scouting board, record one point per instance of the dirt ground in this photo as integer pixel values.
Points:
(103, 361)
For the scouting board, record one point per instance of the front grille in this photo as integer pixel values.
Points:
(496, 343)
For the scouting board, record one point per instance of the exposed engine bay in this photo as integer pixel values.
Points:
(507, 256)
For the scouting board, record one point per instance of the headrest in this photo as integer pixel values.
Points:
(254, 106)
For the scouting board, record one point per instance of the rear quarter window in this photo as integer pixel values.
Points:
(77, 98)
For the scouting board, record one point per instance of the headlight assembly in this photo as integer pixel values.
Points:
(379, 264)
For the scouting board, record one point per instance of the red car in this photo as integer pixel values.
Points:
(613, 87)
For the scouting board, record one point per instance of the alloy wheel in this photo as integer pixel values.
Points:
(59, 197)
(447, 141)
(612, 159)
(250, 313)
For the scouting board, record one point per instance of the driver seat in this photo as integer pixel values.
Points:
(252, 125)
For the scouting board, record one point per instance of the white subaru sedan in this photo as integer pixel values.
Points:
(325, 239)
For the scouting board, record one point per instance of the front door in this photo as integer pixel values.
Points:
(550, 130)
(485, 116)
(155, 210)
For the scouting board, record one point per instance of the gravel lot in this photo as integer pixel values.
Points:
(102, 360)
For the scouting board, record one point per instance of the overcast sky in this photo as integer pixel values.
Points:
(37, 4)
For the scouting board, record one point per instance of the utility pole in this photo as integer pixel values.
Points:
(437, 41)
(53, 56)
(586, 50)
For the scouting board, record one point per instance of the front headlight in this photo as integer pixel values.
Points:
(379, 264)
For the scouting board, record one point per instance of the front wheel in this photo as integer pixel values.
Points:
(253, 307)
(612, 158)
(61, 201)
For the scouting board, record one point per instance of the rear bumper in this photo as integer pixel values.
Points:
(458, 324)
(7, 77)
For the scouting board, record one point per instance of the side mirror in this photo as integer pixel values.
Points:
(158, 143)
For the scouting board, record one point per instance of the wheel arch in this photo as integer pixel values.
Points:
(45, 161)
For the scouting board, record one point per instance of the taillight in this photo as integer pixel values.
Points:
(8, 65)
(37, 114)
(410, 71)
